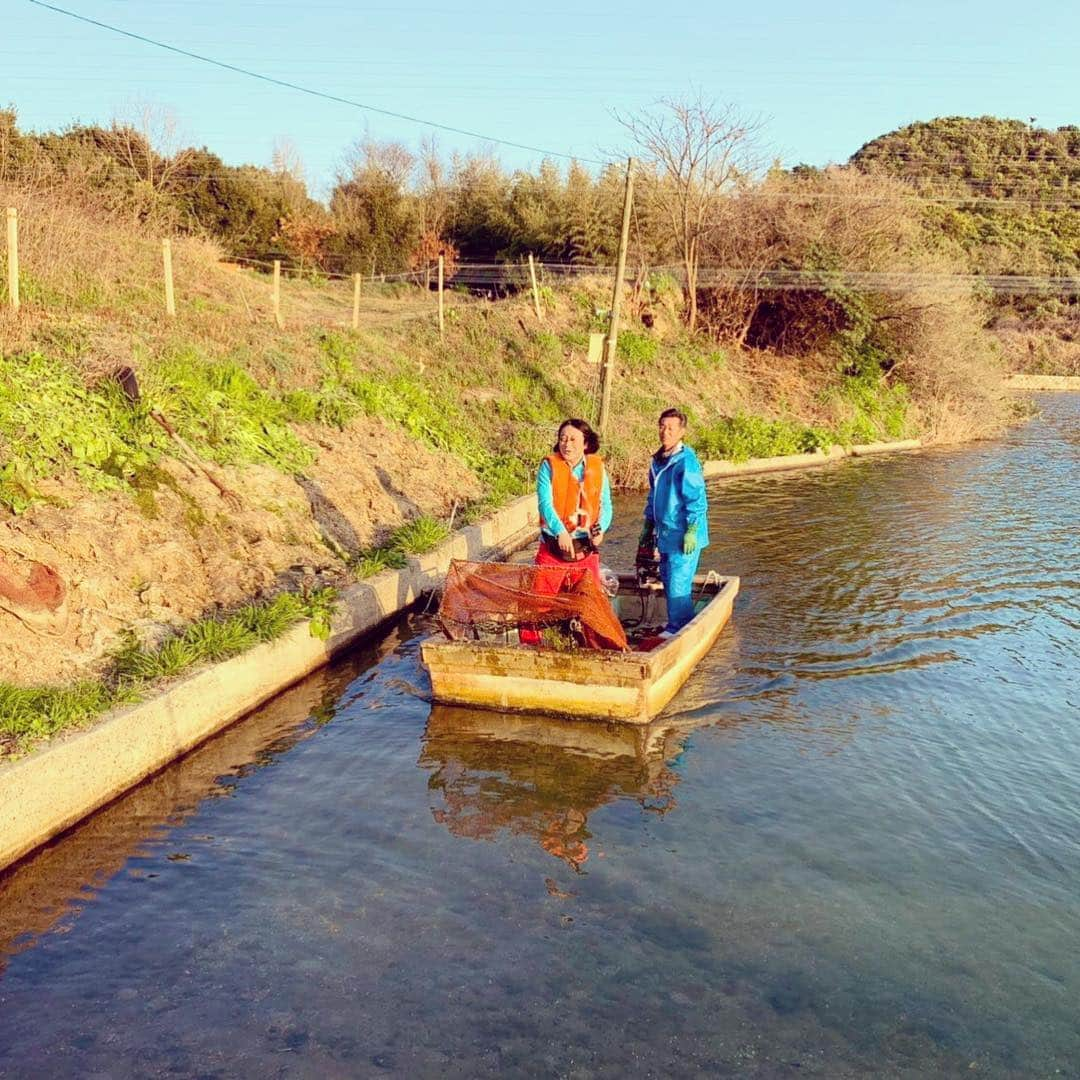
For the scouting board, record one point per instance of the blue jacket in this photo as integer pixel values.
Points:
(549, 518)
(677, 500)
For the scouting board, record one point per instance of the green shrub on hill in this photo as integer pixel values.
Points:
(740, 437)
(637, 349)
(1023, 182)
(51, 422)
(28, 713)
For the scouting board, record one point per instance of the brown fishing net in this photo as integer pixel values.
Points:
(496, 597)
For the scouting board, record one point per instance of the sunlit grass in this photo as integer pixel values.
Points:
(29, 713)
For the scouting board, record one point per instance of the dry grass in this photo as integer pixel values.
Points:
(92, 287)
(93, 293)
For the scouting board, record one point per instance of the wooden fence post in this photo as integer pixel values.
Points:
(356, 302)
(441, 324)
(277, 295)
(13, 257)
(170, 296)
(535, 290)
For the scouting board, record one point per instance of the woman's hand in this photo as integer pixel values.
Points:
(597, 539)
(566, 544)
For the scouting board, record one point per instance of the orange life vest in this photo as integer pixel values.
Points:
(571, 496)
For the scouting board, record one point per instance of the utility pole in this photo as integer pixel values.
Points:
(607, 371)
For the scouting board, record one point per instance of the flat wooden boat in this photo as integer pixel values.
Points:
(587, 683)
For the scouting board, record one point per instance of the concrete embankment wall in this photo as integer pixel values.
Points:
(716, 469)
(54, 788)
(1043, 382)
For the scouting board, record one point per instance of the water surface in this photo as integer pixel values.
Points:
(850, 847)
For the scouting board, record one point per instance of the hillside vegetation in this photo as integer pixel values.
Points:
(1011, 205)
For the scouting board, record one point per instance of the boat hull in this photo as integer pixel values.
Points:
(600, 684)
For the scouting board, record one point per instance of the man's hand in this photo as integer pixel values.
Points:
(689, 540)
(566, 544)
(597, 538)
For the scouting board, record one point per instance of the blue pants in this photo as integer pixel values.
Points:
(677, 574)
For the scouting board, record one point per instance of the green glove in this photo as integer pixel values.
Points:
(689, 540)
(646, 534)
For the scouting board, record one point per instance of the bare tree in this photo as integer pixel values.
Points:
(372, 204)
(144, 137)
(433, 199)
(696, 150)
(285, 160)
(391, 162)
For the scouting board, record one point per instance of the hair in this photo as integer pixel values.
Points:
(677, 413)
(592, 440)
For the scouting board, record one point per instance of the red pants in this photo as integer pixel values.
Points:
(549, 584)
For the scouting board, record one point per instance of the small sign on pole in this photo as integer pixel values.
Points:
(13, 257)
(442, 326)
(535, 290)
(356, 302)
(596, 348)
(170, 297)
(277, 295)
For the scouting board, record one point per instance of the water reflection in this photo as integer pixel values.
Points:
(47, 891)
(495, 774)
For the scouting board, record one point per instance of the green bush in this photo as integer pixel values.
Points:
(50, 421)
(375, 560)
(637, 349)
(31, 712)
(225, 413)
(420, 535)
(871, 410)
(740, 437)
(415, 537)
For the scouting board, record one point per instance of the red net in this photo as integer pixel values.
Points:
(501, 596)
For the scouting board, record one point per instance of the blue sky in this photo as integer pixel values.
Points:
(826, 77)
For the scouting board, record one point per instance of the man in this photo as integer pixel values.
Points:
(676, 517)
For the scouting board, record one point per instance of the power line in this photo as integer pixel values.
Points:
(749, 279)
(307, 89)
(177, 177)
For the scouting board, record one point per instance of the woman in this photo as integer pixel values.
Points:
(574, 499)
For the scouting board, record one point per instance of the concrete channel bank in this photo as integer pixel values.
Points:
(1043, 382)
(51, 790)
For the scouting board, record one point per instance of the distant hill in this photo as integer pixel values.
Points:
(1023, 183)
(991, 158)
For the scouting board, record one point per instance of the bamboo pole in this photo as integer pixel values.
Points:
(607, 372)
(277, 295)
(442, 325)
(535, 290)
(13, 257)
(170, 296)
(356, 302)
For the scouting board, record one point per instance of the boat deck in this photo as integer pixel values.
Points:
(598, 683)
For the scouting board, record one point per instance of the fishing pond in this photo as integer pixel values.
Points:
(850, 846)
